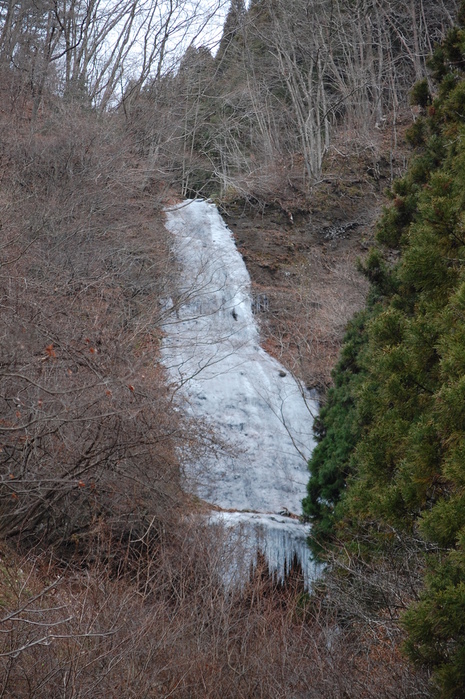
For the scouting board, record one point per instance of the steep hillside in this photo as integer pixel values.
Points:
(386, 488)
(303, 255)
(110, 583)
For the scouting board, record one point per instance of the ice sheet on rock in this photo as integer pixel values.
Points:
(212, 351)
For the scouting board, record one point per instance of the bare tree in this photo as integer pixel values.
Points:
(87, 426)
(96, 48)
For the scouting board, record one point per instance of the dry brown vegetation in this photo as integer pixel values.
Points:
(169, 628)
(107, 587)
(87, 430)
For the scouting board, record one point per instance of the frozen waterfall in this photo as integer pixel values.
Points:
(261, 415)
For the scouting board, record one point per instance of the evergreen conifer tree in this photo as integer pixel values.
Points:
(232, 44)
(391, 456)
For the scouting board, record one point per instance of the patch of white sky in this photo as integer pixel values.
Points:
(211, 31)
(139, 40)
(186, 23)
(175, 25)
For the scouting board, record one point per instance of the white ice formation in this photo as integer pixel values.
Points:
(255, 408)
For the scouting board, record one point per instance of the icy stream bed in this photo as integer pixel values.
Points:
(257, 412)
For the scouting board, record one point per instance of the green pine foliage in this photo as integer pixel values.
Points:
(232, 41)
(391, 439)
(420, 93)
(337, 431)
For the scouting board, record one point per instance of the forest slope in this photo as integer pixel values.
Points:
(109, 583)
(386, 488)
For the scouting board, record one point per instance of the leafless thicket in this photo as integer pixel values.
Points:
(174, 630)
(87, 428)
(288, 80)
(293, 82)
(92, 51)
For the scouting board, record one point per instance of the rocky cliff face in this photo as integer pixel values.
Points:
(303, 265)
(301, 249)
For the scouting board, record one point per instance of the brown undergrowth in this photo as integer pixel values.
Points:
(166, 626)
(107, 588)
